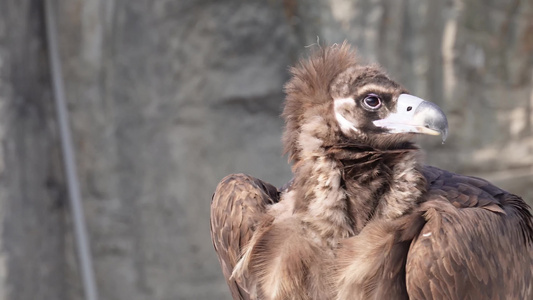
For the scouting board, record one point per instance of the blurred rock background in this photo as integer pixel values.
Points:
(166, 97)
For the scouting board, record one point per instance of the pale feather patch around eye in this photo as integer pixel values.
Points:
(347, 103)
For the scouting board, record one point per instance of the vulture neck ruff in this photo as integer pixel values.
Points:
(339, 188)
(379, 183)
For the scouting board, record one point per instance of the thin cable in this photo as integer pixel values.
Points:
(80, 232)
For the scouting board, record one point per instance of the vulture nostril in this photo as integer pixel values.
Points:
(409, 108)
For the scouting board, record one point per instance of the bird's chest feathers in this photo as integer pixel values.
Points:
(341, 187)
(381, 184)
(323, 202)
(345, 188)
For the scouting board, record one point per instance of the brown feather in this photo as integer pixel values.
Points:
(238, 208)
(475, 245)
(309, 88)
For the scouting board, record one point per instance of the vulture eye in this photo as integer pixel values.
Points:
(372, 102)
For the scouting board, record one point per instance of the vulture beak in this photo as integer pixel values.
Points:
(415, 115)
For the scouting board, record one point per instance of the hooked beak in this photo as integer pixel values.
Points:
(415, 115)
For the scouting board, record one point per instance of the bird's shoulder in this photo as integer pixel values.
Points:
(469, 192)
(238, 206)
(238, 209)
(244, 185)
(471, 227)
(477, 200)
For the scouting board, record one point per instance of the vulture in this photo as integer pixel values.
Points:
(363, 217)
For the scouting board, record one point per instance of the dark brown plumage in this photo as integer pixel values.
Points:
(362, 217)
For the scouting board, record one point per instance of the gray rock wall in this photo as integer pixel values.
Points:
(32, 210)
(166, 97)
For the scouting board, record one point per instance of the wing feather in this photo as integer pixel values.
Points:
(476, 243)
(238, 206)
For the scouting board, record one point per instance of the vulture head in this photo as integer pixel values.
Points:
(332, 100)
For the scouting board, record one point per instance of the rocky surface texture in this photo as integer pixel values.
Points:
(166, 97)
